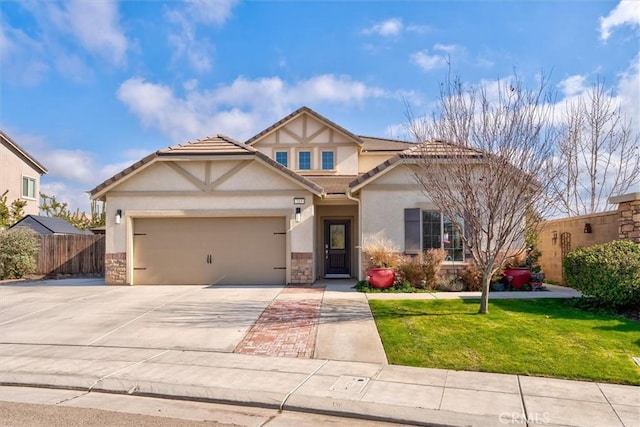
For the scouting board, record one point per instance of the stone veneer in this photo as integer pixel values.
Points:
(629, 220)
(115, 268)
(301, 267)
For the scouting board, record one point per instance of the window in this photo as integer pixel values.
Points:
(327, 160)
(304, 160)
(28, 187)
(282, 157)
(430, 229)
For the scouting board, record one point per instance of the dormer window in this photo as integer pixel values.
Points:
(282, 157)
(327, 160)
(304, 160)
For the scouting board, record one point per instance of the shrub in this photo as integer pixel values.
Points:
(421, 271)
(381, 252)
(471, 276)
(609, 272)
(17, 249)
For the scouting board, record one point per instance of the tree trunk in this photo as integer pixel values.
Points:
(484, 299)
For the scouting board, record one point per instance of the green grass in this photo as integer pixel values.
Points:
(543, 337)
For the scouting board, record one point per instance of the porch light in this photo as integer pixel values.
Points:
(587, 228)
(554, 238)
(298, 215)
(118, 216)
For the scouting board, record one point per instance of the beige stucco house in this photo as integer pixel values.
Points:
(290, 205)
(20, 174)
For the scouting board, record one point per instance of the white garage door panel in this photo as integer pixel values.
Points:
(240, 250)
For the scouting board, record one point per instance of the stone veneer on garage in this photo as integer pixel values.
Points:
(115, 268)
(301, 267)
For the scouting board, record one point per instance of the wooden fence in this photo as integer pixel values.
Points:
(70, 254)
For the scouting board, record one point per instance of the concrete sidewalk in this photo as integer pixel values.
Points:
(362, 390)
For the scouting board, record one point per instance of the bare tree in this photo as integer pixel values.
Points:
(486, 164)
(598, 156)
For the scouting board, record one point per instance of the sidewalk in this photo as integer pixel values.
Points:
(361, 390)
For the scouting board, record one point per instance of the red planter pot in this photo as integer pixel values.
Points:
(519, 276)
(381, 277)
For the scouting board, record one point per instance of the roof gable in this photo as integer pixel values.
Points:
(26, 157)
(304, 136)
(435, 149)
(203, 149)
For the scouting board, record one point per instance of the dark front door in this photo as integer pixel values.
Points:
(337, 259)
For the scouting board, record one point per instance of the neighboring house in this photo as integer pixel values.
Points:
(47, 225)
(20, 174)
(292, 204)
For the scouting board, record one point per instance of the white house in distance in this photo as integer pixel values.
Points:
(20, 174)
(290, 205)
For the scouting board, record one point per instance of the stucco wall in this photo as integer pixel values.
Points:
(12, 169)
(383, 204)
(255, 190)
(604, 228)
(368, 161)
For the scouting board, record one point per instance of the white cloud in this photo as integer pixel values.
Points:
(627, 12)
(196, 51)
(235, 109)
(448, 48)
(573, 85)
(390, 28)
(628, 90)
(428, 62)
(93, 25)
(418, 29)
(21, 55)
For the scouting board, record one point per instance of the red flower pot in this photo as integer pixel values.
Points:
(381, 277)
(519, 276)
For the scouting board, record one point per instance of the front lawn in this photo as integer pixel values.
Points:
(543, 337)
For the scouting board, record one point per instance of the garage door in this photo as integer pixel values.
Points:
(203, 251)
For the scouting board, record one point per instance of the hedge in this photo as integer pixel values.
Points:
(609, 272)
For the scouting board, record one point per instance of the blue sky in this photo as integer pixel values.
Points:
(89, 87)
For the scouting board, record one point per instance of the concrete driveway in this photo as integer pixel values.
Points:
(84, 312)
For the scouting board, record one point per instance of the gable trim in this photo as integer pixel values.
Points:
(301, 111)
(26, 156)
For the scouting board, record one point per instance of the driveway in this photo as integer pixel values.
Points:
(77, 312)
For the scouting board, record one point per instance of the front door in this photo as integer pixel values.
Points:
(337, 259)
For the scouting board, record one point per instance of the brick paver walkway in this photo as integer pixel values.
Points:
(287, 327)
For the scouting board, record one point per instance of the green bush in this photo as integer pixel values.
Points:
(609, 272)
(17, 249)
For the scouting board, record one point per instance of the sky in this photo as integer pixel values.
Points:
(90, 87)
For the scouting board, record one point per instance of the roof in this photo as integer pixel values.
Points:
(218, 145)
(336, 184)
(48, 225)
(295, 114)
(372, 144)
(6, 140)
(436, 149)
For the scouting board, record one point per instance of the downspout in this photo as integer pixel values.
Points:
(359, 247)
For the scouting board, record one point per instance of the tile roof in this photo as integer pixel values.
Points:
(296, 113)
(431, 149)
(30, 159)
(48, 225)
(371, 143)
(218, 145)
(336, 184)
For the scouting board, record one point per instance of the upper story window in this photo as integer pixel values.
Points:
(282, 157)
(304, 160)
(430, 229)
(327, 160)
(28, 187)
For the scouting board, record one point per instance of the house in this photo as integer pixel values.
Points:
(291, 204)
(47, 225)
(20, 174)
